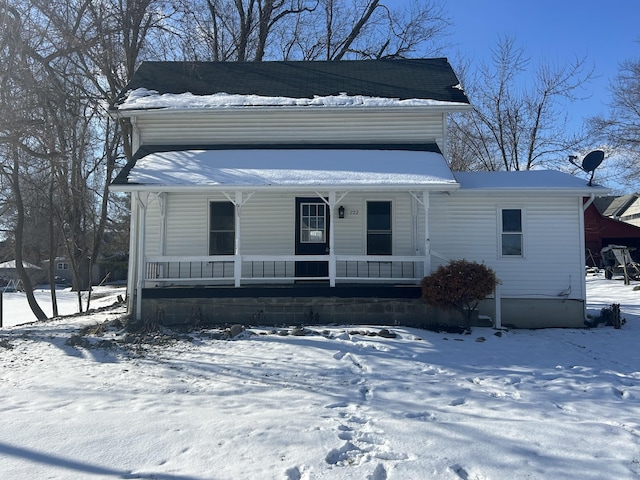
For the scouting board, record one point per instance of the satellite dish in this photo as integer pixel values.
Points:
(592, 160)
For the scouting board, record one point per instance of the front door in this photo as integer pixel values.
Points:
(312, 235)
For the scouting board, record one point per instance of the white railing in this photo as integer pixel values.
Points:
(239, 269)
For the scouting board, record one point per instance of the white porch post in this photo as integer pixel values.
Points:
(162, 202)
(132, 268)
(237, 260)
(142, 217)
(427, 239)
(332, 254)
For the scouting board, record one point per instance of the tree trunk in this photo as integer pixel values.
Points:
(19, 238)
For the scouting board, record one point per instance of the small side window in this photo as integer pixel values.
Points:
(511, 232)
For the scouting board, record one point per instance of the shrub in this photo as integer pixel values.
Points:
(459, 285)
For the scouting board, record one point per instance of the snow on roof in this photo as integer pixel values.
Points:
(524, 180)
(12, 264)
(143, 99)
(292, 168)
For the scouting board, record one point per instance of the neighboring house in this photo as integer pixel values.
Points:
(8, 272)
(604, 225)
(105, 270)
(306, 192)
(625, 208)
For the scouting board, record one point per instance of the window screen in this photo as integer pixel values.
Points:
(379, 235)
(222, 228)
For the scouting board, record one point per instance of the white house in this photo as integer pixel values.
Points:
(302, 192)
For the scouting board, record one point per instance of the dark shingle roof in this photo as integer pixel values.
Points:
(614, 206)
(432, 78)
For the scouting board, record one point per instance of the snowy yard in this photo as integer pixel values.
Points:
(338, 404)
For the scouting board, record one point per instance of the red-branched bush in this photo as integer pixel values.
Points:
(459, 285)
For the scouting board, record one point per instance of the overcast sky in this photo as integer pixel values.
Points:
(606, 31)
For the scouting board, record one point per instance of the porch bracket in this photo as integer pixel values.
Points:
(418, 196)
(331, 205)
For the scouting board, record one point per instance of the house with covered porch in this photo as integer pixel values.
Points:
(319, 192)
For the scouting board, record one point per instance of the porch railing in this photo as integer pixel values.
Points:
(239, 269)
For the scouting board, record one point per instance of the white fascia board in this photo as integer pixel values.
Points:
(448, 108)
(566, 191)
(441, 187)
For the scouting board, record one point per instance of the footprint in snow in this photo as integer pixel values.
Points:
(457, 402)
(619, 393)
(424, 416)
(460, 471)
(339, 355)
(380, 473)
(294, 473)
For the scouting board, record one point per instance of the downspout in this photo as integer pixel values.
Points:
(582, 250)
(592, 197)
(498, 297)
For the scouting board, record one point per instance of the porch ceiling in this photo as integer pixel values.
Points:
(344, 169)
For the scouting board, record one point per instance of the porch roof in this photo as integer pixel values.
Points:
(288, 168)
(527, 181)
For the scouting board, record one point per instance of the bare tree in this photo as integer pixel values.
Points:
(518, 124)
(254, 30)
(620, 129)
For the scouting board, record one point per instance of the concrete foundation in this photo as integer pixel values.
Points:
(316, 307)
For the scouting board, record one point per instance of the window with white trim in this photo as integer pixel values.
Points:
(511, 232)
(222, 228)
(379, 231)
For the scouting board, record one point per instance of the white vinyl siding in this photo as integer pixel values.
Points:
(464, 226)
(153, 232)
(251, 126)
(267, 224)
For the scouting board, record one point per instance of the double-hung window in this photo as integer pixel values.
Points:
(511, 232)
(379, 232)
(222, 228)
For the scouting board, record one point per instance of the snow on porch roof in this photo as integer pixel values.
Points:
(289, 168)
(530, 180)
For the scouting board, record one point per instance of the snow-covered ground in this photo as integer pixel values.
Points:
(339, 404)
(16, 311)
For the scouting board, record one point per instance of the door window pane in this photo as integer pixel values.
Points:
(313, 222)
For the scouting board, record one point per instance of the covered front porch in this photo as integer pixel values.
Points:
(283, 218)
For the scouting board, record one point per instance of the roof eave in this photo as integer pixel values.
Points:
(133, 112)
(129, 188)
(585, 191)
